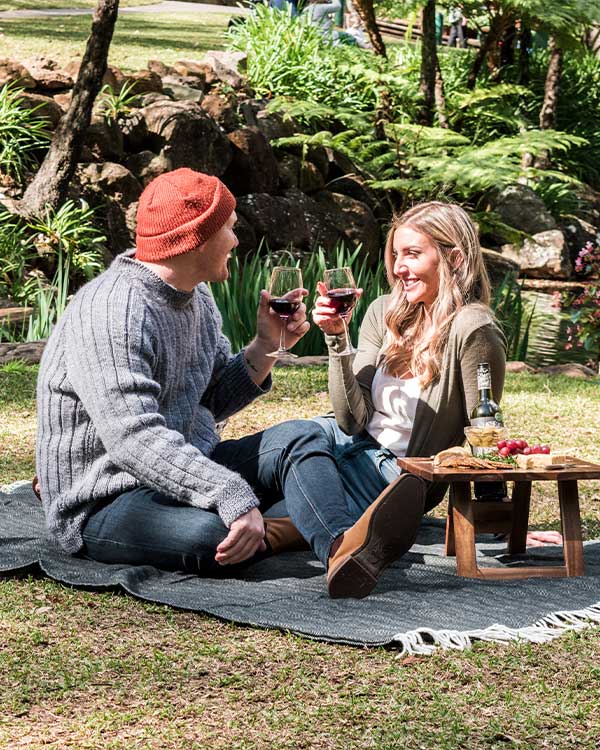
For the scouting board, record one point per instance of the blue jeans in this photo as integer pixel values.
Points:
(293, 461)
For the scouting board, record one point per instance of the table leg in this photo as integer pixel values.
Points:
(464, 530)
(450, 541)
(521, 497)
(568, 495)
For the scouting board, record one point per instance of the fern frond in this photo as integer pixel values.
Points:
(484, 95)
(420, 134)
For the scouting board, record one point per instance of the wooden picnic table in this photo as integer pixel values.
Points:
(466, 515)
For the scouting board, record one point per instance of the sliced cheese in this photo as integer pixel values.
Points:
(541, 460)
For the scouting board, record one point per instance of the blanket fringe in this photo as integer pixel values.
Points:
(425, 641)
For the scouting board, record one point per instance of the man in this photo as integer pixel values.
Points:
(132, 381)
(456, 20)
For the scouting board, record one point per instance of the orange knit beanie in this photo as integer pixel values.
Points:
(179, 211)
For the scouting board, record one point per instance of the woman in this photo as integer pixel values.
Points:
(409, 391)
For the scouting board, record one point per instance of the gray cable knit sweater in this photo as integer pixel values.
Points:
(131, 382)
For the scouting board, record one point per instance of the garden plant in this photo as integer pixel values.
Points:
(584, 305)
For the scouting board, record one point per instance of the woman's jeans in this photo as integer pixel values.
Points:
(326, 478)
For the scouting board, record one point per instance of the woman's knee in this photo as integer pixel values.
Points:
(308, 435)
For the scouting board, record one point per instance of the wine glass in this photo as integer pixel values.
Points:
(341, 290)
(286, 281)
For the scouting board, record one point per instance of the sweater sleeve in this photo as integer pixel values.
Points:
(483, 344)
(112, 375)
(350, 382)
(231, 388)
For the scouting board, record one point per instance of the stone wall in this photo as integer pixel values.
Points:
(201, 114)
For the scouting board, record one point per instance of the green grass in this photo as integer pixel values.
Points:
(138, 37)
(100, 670)
(52, 4)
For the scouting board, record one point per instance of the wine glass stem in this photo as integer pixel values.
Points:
(346, 331)
(282, 336)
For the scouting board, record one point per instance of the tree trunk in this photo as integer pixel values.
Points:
(440, 97)
(49, 186)
(383, 113)
(488, 48)
(428, 64)
(592, 39)
(552, 86)
(366, 11)
(524, 48)
(551, 93)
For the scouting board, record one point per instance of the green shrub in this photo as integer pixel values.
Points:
(111, 104)
(70, 230)
(63, 245)
(288, 56)
(578, 107)
(513, 317)
(17, 255)
(23, 133)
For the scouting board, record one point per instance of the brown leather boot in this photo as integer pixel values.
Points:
(384, 532)
(282, 536)
(35, 486)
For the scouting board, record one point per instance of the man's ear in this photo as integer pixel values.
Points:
(457, 258)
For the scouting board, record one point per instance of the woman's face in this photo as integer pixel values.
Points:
(416, 264)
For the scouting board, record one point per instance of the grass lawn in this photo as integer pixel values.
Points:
(51, 4)
(138, 37)
(81, 670)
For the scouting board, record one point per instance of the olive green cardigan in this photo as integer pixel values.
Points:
(444, 405)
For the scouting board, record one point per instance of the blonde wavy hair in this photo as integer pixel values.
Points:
(416, 336)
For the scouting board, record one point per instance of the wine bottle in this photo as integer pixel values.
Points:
(486, 411)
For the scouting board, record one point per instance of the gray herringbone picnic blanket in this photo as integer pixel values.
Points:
(418, 604)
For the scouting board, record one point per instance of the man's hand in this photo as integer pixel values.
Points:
(268, 327)
(268, 323)
(325, 315)
(246, 537)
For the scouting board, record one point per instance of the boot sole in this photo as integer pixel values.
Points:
(356, 576)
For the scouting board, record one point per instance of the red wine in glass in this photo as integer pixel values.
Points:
(285, 298)
(342, 299)
(341, 291)
(285, 308)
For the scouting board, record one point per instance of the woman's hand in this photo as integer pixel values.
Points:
(324, 312)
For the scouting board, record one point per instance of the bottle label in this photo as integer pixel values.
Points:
(484, 378)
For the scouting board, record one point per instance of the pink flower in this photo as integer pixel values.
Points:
(568, 346)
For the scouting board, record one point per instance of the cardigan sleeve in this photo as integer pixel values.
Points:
(350, 382)
(483, 344)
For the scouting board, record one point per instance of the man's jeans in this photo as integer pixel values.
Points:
(326, 478)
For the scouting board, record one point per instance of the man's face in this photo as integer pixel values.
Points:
(215, 253)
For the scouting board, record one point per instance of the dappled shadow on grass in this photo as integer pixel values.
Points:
(153, 35)
(62, 4)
